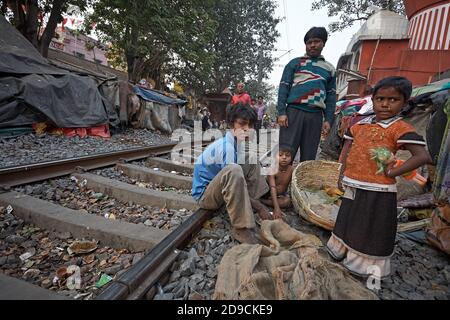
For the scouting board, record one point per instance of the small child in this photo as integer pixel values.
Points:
(279, 184)
(366, 225)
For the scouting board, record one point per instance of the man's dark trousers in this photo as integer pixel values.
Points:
(304, 131)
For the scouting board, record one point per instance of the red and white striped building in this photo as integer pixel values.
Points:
(391, 45)
(429, 27)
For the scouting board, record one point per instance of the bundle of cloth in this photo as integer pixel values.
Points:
(291, 266)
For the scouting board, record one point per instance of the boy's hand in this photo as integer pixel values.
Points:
(278, 214)
(283, 121)
(265, 214)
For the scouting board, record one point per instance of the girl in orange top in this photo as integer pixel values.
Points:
(366, 225)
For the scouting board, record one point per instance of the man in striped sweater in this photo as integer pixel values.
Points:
(307, 98)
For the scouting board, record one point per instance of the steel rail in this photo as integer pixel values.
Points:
(30, 173)
(130, 283)
(142, 276)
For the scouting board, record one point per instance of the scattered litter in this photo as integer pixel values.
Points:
(60, 274)
(9, 209)
(74, 179)
(80, 247)
(72, 276)
(173, 172)
(155, 169)
(82, 295)
(26, 256)
(112, 216)
(209, 225)
(74, 281)
(98, 195)
(160, 289)
(83, 183)
(104, 279)
(28, 265)
(89, 259)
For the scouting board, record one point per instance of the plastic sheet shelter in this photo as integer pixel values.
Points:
(153, 110)
(32, 90)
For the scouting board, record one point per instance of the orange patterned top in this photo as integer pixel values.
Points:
(369, 134)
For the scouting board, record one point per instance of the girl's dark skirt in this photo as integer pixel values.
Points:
(368, 224)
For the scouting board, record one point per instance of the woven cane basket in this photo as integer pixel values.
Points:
(313, 175)
(320, 174)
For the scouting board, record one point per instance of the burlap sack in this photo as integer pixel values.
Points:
(290, 267)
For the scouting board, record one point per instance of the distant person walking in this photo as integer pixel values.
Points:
(307, 98)
(260, 109)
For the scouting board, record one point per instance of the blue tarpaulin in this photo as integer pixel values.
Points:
(154, 96)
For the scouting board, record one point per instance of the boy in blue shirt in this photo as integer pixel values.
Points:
(307, 98)
(219, 179)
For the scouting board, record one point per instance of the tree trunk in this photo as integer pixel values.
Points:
(31, 27)
(55, 18)
(130, 65)
(130, 54)
(19, 15)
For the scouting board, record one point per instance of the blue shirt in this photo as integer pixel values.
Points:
(216, 157)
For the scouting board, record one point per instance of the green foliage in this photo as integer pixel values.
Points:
(255, 89)
(203, 45)
(350, 11)
(153, 33)
(244, 42)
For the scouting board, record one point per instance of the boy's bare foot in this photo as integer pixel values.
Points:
(278, 214)
(245, 235)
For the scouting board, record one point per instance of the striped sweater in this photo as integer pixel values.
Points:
(308, 84)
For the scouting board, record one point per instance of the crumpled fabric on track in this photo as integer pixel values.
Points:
(289, 267)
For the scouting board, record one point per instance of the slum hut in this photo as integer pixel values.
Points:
(217, 105)
(154, 110)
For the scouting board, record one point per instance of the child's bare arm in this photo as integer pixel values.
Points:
(420, 156)
(277, 214)
(273, 192)
(344, 155)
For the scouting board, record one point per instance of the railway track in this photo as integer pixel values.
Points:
(140, 279)
(130, 179)
(24, 174)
